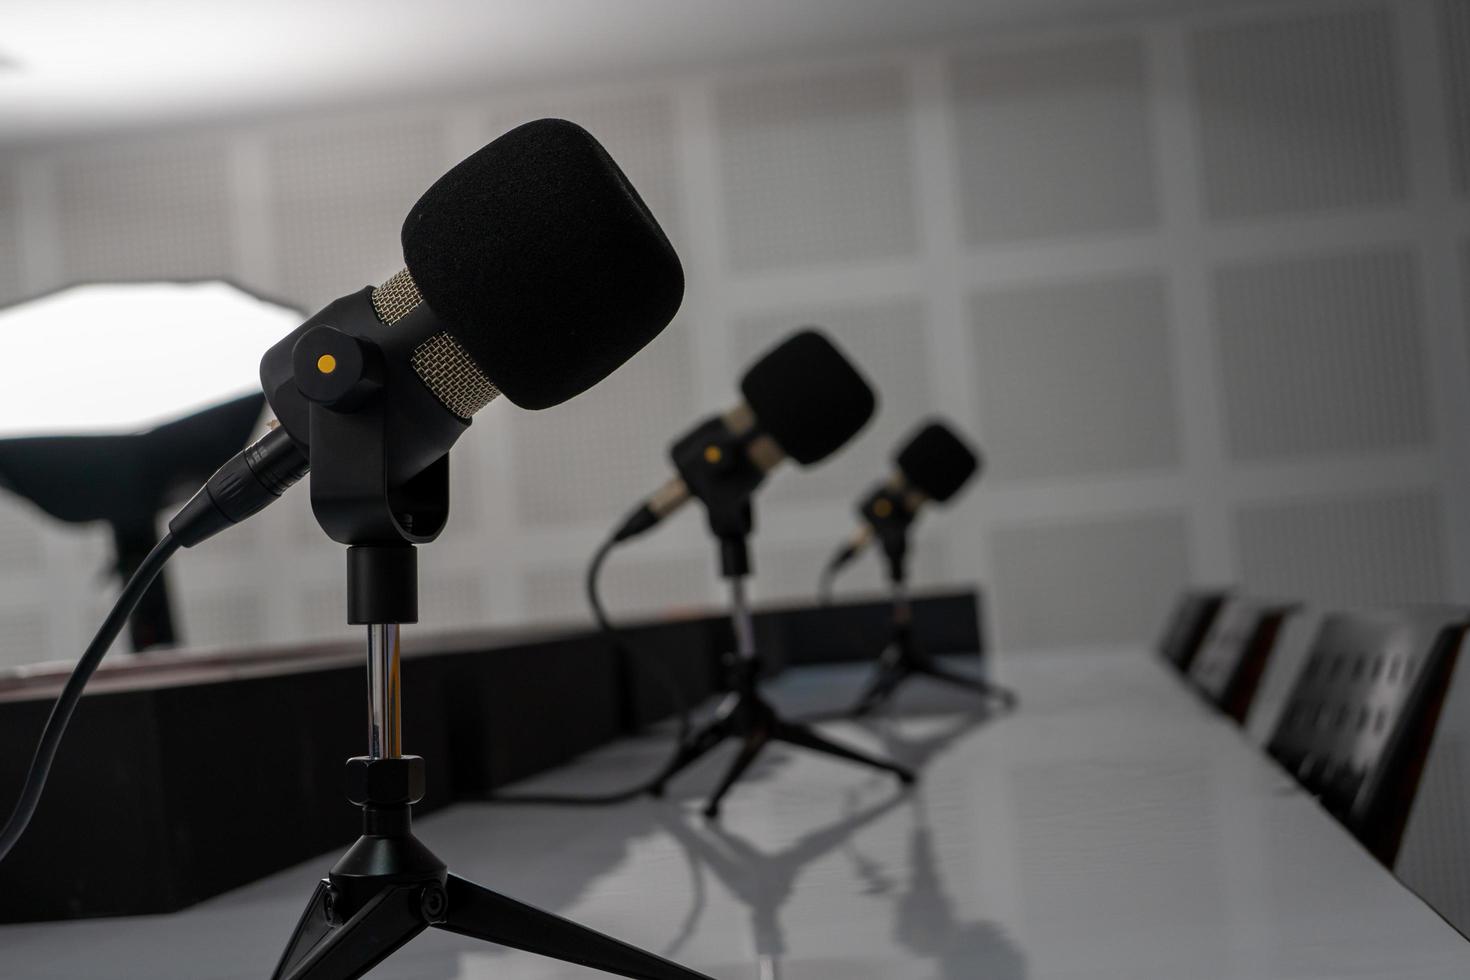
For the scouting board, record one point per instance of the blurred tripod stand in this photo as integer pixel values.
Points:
(716, 466)
(389, 887)
(889, 517)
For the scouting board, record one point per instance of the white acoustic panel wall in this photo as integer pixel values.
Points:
(1054, 141)
(338, 197)
(887, 341)
(1345, 551)
(1074, 378)
(817, 169)
(1454, 28)
(1016, 183)
(144, 212)
(1323, 354)
(1086, 581)
(631, 586)
(594, 457)
(1301, 113)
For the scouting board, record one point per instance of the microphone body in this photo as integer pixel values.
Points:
(347, 338)
(534, 270)
(694, 453)
(803, 400)
(885, 513)
(932, 465)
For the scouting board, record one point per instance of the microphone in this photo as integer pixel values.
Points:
(803, 400)
(533, 270)
(933, 464)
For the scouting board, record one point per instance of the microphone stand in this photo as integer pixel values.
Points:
(389, 887)
(887, 513)
(716, 465)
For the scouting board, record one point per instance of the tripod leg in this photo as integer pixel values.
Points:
(885, 681)
(689, 753)
(482, 914)
(1004, 695)
(319, 950)
(748, 751)
(808, 738)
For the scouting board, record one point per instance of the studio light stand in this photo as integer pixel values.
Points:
(890, 516)
(716, 464)
(389, 887)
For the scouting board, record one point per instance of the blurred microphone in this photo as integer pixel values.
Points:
(533, 270)
(932, 465)
(802, 400)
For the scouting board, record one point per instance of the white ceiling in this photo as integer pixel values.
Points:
(77, 66)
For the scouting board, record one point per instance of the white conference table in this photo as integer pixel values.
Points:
(1111, 827)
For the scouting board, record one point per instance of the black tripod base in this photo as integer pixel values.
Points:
(901, 660)
(746, 716)
(388, 888)
(329, 947)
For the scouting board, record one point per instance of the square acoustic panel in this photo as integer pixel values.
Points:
(631, 586)
(1455, 34)
(1075, 377)
(1054, 141)
(638, 131)
(1089, 581)
(817, 170)
(595, 456)
(160, 211)
(1345, 551)
(887, 341)
(338, 197)
(1322, 355)
(1302, 113)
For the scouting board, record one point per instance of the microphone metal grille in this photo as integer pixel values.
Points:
(452, 375)
(396, 298)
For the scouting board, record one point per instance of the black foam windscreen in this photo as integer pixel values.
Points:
(541, 259)
(937, 461)
(808, 396)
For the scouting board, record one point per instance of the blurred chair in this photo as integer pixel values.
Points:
(1233, 657)
(1194, 613)
(1357, 728)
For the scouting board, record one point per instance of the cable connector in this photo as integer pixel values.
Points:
(254, 478)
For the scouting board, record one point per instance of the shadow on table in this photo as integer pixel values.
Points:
(925, 921)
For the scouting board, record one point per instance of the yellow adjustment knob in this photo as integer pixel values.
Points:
(882, 508)
(712, 454)
(326, 364)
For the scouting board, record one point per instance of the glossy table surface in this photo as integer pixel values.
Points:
(1111, 827)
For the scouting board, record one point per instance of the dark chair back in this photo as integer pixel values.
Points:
(1357, 728)
(1233, 657)
(1190, 620)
